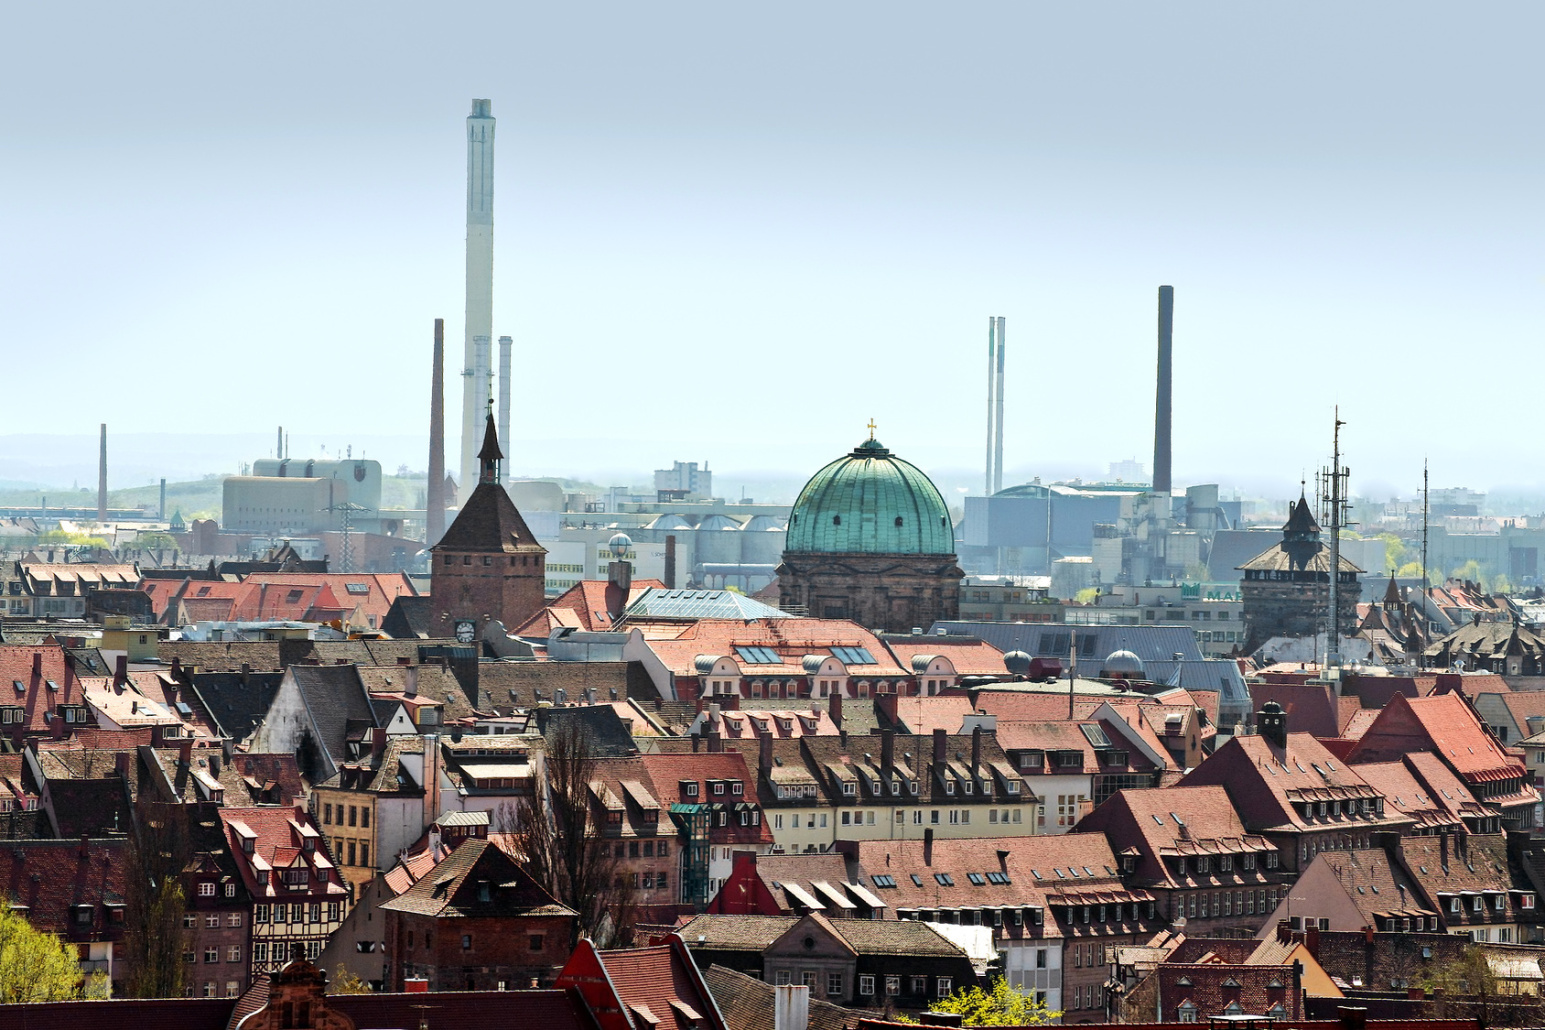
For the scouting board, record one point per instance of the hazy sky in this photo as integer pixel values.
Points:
(735, 233)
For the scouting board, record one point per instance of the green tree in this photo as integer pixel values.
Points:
(158, 854)
(1001, 1004)
(37, 966)
(345, 982)
(1088, 595)
(1394, 550)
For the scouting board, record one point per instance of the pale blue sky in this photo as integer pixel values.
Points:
(734, 233)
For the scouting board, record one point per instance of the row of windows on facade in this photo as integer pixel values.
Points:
(1000, 917)
(280, 953)
(1203, 864)
(211, 989)
(1186, 1011)
(346, 851)
(944, 986)
(524, 560)
(362, 811)
(297, 912)
(534, 942)
(1212, 904)
(649, 849)
(211, 955)
(793, 689)
(211, 920)
(957, 817)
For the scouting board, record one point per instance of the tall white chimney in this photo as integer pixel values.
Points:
(505, 345)
(480, 285)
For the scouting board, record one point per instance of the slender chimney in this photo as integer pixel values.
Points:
(102, 478)
(434, 501)
(992, 393)
(1161, 404)
(279, 444)
(161, 513)
(940, 746)
(765, 753)
(997, 457)
(670, 561)
(480, 284)
(505, 344)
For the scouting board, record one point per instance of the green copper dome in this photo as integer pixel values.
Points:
(870, 502)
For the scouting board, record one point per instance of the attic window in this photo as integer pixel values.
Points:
(21, 688)
(357, 588)
(917, 881)
(944, 879)
(882, 880)
(294, 596)
(52, 685)
(976, 879)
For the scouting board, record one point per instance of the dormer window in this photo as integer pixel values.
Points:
(949, 786)
(308, 844)
(689, 788)
(850, 788)
(737, 788)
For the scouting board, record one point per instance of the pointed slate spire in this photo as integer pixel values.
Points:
(490, 456)
(1392, 595)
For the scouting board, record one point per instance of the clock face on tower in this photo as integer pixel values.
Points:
(466, 631)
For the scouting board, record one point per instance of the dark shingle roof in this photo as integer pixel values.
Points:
(747, 1003)
(237, 703)
(489, 522)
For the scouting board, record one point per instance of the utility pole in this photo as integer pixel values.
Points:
(346, 552)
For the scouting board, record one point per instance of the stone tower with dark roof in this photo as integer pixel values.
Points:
(488, 565)
(1286, 588)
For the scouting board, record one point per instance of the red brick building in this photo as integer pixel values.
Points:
(476, 922)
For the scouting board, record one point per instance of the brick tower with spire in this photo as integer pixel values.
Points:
(488, 566)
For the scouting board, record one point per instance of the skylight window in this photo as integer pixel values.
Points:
(758, 655)
(1095, 734)
(883, 880)
(977, 880)
(853, 656)
(944, 879)
(917, 881)
(357, 588)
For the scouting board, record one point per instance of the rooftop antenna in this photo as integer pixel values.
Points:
(1072, 667)
(1334, 479)
(1425, 585)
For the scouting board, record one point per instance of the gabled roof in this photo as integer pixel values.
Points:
(1446, 725)
(789, 640)
(1267, 783)
(971, 656)
(48, 878)
(1169, 822)
(489, 524)
(653, 988)
(747, 1003)
(336, 701)
(455, 887)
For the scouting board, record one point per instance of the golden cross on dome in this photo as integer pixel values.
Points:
(871, 428)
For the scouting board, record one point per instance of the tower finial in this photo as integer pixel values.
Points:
(871, 427)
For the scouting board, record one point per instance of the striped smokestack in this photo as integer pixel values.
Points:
(1161, 404)
(434, 499)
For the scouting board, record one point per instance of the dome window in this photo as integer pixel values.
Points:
(898, 521)
(836, 520)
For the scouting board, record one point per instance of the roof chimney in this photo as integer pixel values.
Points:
(764, 755)
(185, 752)
(928, 846)
(976, 750)
(1271, 723)
(37, 664)
(377, 741)
(791, 1007)
(834, 707)
(121, 670)
(887, 751)
(940, 746)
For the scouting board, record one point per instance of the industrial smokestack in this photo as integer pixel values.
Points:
(480, 285)
(1161, 404)
(279, 445)
(997, 458)
(992, 396)
(161, 512)
(505, 343)
(434, 500)
(102, 478)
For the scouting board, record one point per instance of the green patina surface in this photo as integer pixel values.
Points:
(870, 502)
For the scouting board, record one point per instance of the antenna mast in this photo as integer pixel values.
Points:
(1425, 585)
(1334, 480)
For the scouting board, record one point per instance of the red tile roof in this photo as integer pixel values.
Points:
(659, 988)
(591, 604)
(17, 663)
(278, 846)
(791, 639)
(969, 656)
(1444, 724)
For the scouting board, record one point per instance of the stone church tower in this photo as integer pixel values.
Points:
(870, 540)
(488, 565)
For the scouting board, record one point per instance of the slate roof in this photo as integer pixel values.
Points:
(336, 700)
(1180, 821)
(228, 655)
(236, 703)
(409, 616)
